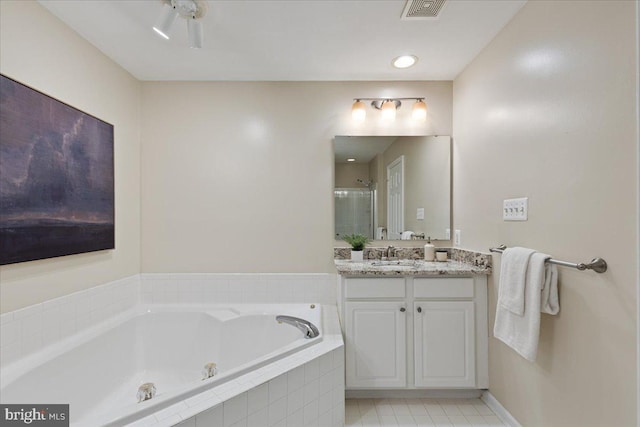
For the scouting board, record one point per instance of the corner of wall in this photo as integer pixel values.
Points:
(57, 61)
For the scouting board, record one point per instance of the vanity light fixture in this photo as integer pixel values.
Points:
(358, 111)
(388, 108)
(419, 111)
(191, 10)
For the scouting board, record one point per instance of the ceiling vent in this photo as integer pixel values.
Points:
(422, 9)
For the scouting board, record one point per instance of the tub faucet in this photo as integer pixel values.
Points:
(308, 329)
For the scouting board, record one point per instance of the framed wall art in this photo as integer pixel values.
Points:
(56, 177)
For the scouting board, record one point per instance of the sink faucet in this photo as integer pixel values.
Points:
(391, 252)
(308, 329)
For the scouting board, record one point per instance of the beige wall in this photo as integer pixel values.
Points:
(39, 50)
(546, 111)
(347, 175)
(237, 177)
(543, 112)
(427, 182)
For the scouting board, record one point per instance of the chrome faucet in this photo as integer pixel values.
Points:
(391, 253)
(308, 329)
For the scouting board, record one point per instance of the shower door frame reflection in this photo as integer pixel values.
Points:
(340, 229)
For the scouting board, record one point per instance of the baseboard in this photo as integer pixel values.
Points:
(499, 410)
(413, 394)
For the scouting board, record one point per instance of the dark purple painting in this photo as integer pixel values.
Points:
(56, 177)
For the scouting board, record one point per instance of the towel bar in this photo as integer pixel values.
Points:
(597, 264)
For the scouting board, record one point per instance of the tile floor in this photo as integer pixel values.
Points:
(419, 412)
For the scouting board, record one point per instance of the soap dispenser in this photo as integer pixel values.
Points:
(429, 251)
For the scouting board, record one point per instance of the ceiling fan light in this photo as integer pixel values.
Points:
(419, 111)
(165, 21)
(358, 111)
(194, 31)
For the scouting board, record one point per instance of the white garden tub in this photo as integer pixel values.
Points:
(99, 374)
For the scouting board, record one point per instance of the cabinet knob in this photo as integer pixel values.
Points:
(419, 309)
(402, 309)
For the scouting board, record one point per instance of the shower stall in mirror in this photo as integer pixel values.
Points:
(354, 211)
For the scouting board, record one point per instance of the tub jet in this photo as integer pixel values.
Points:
(146, 391)
(209, 370)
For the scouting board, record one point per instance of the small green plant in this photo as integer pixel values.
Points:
(357, 241)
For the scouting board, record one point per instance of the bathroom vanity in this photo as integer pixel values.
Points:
(414, 324)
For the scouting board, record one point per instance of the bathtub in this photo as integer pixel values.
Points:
(98, 372)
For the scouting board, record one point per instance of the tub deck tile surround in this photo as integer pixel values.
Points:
(238, 288)
(232, 403)
(30, 329)
(237, 403)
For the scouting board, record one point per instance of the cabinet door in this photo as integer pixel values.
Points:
(444, 344)
(375, 345)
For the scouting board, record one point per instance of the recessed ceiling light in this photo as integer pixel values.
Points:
(351, 160)
(405, 61)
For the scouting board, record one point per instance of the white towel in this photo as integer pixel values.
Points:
(550, 303)
(513, 271)
(406, 235)
(521, 332)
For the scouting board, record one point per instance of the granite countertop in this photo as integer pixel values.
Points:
(407, 267)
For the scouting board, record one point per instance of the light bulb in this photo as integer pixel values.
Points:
(358, 111)
(419, 111)
(194, 31)
(405, 61)
(388, 110)
(165, 21)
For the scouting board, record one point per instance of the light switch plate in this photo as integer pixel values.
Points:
(447, 234)
(420, 213)
(457, 238)
(515, 209)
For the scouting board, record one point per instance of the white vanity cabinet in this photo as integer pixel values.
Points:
(444, 344)
(415, 332)
(375, 322)
(376, 344)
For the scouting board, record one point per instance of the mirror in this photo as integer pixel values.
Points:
(392, 187)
